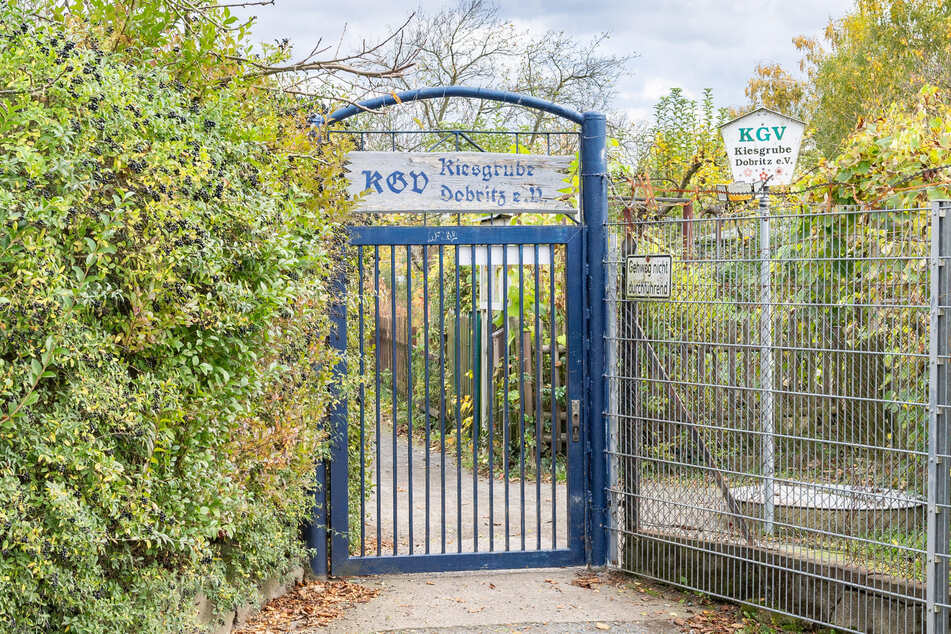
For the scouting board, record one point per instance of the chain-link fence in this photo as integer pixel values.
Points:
(775, 438)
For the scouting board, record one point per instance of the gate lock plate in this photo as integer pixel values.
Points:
(575, 420)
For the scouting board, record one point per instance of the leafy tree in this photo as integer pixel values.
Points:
(884, 51)
(773, 87)
(900, 159)
(687, 147)
(682, 152)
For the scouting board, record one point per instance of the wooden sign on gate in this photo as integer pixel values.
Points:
(460, 181)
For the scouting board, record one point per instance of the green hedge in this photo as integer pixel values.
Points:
(162, 332)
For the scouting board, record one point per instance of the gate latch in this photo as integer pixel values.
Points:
(575, 420)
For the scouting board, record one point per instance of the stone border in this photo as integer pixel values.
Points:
(229, 621)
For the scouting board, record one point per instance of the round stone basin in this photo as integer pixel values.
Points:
(834, 508)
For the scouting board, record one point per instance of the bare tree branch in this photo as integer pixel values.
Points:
(470, 44)
(368, 61)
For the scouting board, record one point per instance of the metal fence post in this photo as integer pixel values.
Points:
(938, 445)
(594, 192)
(766, 362)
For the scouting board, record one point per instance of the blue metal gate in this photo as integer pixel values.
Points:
(476, 438)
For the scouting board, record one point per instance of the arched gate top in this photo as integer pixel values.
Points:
(441, 92)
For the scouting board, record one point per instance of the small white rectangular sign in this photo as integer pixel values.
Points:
(647, 276)
(459, 181)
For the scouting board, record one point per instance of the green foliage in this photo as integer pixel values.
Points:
(684, 149)
(898, 159)
(883, 51)
(162, 313)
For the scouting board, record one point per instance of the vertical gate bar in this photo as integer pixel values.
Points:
(766, 363)
(393, 380)
(426, 377)
(594, 196)
(442, 400)
(538, 412)
(939, 492)
(506, 435)
(363, 461)
(376, 348)
(337, 418)
(489, 390)
(458, 215)
(475, 415)
(458, 420)
(521, 390)
(409, 390)
(555, 427)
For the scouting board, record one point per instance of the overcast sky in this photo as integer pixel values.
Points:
(692, 44)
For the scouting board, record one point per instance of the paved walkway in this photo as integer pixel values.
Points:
(544, 600)
(494, 506)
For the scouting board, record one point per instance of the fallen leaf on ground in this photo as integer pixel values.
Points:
(602, 626)
(310, 603)
(726, 619)
(586, 581)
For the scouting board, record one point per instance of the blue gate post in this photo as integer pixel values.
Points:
(594, 193)
(316, 530)
(337, 426)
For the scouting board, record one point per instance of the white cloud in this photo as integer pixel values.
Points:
(653, 88)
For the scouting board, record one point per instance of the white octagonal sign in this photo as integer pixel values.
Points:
(763, 146)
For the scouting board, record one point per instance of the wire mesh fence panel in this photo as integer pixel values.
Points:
(770, 418)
